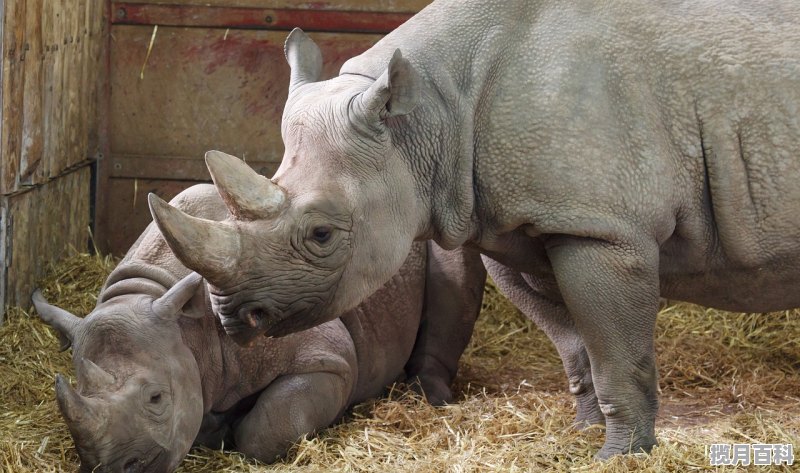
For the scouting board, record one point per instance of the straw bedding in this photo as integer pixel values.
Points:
(725, 378)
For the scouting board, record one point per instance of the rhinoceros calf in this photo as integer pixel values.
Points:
(601, 153)
(156, 371)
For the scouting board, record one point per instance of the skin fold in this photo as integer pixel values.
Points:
(598, 154)
(156, 372)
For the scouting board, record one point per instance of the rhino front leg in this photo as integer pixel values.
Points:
(453, 295)
(289, 408)
(552, 317)
(612, 291)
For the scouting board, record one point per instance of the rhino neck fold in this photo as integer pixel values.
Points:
(137, 278)
(438, 138)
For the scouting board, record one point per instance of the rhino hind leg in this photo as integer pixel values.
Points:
(556, 322)
(292, 406)
(453, 295)
(611, 290)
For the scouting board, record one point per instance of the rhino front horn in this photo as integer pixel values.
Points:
(83, 416)
(247, 194)
(208, 247)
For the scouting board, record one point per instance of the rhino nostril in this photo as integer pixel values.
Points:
(253, 318)
(132, 466)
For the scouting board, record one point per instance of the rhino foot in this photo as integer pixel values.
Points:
(638, 444)
(433, 388)
(588, 410)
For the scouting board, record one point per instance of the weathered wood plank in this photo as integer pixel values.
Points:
(40, 225)
(57, 121)
(32, 140)
(13, 93)
(82, 46)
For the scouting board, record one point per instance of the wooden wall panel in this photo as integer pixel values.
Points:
(50, 66)
(38, 227)
(13, 80)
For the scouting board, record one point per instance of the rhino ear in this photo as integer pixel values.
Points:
(64, 322)
(395, 93)
(184, 298)
(304, 58)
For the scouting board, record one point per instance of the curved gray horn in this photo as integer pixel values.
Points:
(170, 304)
(64, 322)
(83, 416)
(304, 58)
(210, 248)
(247, 194)
(97, 379)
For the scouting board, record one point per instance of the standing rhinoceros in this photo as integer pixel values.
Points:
(601, 153)
(156, 371)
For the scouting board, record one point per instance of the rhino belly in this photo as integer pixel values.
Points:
(770, 287)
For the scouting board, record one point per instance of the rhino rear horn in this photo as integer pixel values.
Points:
(210, 248)
(247, 194)
(304, 58)
(64, 322)
(84, 416)
(97, 379)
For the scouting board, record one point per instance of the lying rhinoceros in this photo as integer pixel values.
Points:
(602, 153)
(156, 371)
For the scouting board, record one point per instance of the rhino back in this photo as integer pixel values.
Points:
(671, 120)
(384, 327)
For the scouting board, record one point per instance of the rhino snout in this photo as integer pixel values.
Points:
(247, 325)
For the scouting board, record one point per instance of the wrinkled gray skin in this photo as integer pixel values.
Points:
(156, 372)
(600, 153)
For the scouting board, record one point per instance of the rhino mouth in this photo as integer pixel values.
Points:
(249, 324)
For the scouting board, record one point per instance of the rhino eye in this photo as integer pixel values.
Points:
(155, 398)
(321, 234)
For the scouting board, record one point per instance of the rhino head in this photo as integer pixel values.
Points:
(331, 227)
(138, 404)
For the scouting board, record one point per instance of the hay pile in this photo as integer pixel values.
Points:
(725, 378)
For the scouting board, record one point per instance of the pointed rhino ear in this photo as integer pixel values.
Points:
(395, 93)
(182, 299)
(64, 322)
(304, 58)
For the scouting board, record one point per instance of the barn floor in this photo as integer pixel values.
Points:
(725, 378)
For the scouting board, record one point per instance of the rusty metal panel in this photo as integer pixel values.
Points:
(126, 13)
(204, 89)
(186, 76)
(199, 89)
(129, 13)
(350, 5)
(129, 214)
